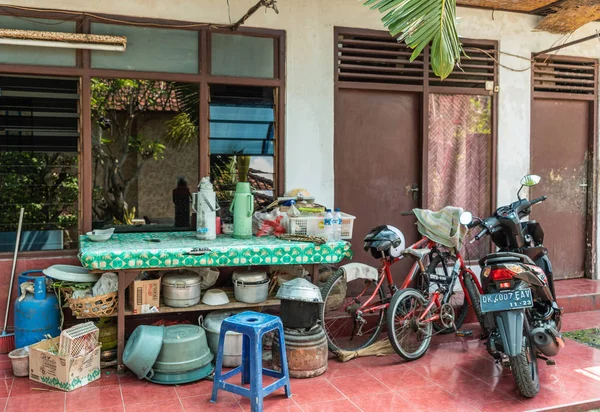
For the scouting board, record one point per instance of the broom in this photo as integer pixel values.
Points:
(7, 340)
(380, 348)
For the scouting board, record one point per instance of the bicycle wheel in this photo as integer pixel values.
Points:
(409, 337)
(441, 266)
(474, 294)
(341, 299)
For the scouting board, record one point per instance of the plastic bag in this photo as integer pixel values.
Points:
(108, 283)
(268, 223)
(81, 293)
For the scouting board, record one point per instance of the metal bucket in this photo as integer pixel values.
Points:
(306, 351)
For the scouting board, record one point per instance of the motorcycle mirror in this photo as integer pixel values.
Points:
(530, 180)
(466, 218)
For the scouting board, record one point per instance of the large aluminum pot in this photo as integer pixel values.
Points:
(232, 350)
(181, 289)
(250, 286)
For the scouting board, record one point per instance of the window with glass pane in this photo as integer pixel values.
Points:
(460, 147)
(242, 141)
(39, 135)
(144, 154)
(37, 55)
(149, 49)
(242, 56)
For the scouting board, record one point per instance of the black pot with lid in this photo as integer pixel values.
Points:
(300, 301)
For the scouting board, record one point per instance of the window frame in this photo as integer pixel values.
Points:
(203, 78)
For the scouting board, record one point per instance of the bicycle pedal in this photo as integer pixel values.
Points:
(464, 333)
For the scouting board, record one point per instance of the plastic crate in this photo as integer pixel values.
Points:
(79, 340)
(313, 225)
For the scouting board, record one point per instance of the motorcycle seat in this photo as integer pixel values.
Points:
(418, 254)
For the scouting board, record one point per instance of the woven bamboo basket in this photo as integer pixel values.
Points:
(93, 306)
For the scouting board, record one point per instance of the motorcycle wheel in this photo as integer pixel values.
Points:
(524, 367)
(409, 337)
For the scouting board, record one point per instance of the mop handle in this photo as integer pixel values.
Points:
(14, 267)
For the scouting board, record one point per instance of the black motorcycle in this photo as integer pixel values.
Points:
(517, 311)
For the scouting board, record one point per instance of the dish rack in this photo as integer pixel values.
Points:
(313, 225)
(79, 340)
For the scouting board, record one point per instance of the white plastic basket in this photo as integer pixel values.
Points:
(313, 225)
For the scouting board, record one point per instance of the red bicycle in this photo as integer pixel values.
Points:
(354, 301)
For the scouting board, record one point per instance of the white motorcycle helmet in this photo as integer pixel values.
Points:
(385, 239)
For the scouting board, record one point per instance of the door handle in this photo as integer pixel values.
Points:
(415, 191)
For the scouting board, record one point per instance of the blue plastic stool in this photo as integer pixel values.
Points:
(253, 326)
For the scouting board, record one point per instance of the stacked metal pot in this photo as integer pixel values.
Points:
(305, 340)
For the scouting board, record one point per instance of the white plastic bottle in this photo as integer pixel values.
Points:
(328, 225)
(337, 227)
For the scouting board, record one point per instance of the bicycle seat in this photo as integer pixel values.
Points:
(416, 253)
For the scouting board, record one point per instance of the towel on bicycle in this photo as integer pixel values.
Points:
(443, 226)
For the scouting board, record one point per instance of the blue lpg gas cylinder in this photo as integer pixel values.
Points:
(36, 315)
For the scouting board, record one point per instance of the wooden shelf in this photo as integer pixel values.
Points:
(233, 304)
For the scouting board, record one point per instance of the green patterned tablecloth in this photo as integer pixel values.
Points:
(134, 251)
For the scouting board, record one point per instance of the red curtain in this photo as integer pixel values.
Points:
(460, 142)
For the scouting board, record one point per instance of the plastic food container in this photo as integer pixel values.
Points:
(181, 290)
(250, 286)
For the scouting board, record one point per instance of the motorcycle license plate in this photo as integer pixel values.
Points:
(509, 300)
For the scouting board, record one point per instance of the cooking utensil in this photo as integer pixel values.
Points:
(142, 349)
(7, 340)
(232, 348)
(300, 302)
(184, 349)
(250, 286)
(70, 273)
(215, 297)
(181, 289)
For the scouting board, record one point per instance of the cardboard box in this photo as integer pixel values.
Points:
(143, 295)
(62, 372)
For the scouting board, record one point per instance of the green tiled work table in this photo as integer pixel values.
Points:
(128, 254)
(124, 251)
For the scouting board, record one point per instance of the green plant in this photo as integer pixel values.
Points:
(423, 22)
(117, 109)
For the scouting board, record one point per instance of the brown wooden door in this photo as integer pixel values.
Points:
(560, 131)
(377, 158)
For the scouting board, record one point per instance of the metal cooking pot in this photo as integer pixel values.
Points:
(250, 286)
(232, 349)
(300, 302)
(181, 289)
(184, 349)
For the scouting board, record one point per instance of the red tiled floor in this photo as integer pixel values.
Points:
(378, 403)
(173, 405)
(225, 402)
(45, 401)
(138, 392)
(314, 390)
(455, 375)
(94, 397)
(343, 405)
(364, 385)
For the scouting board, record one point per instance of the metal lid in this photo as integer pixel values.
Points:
(250, 276)
(301, 290)
(183, 278)
(212, 322)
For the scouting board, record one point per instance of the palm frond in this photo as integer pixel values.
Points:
(423, 22)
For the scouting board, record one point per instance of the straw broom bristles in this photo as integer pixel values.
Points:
(380, 348)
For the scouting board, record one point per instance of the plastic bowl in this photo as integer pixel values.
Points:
(142, 349)
(215, 297)
(99, 235)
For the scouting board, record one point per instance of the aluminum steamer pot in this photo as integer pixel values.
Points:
(181, 289)
(250, 286)
(300, 301)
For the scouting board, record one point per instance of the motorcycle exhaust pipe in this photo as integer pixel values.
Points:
(547, 340)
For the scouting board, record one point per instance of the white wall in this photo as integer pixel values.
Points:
(309, 113)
